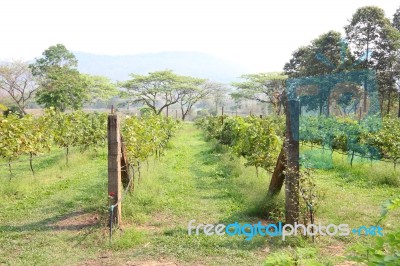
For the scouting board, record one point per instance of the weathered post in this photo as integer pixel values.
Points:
(292, 149)
(114, 168)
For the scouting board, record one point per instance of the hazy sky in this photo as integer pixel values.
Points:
(259, 34)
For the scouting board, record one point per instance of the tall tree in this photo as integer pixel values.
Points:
(262, 87)
(326, 55)
(54, 56)
(372, 36)
(17, 81)
(157, 90)
(396, 25)
(396, 19)
(100, 88)
(63, 89)
(60, 84)
(194, 90)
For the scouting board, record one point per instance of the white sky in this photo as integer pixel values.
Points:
(259, 34)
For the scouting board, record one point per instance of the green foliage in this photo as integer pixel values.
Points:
(3, 108)
(35, 135)
(77, 129)
(156, 86)
(99, 88)
(161, 89)
(146, 136)
(396, 19)
(258, 140)
(387, 139)
(19, 136)
(371, 138)
(310, 194)
(61, 86)
(56, 55)
(298, 256)
(262, 87)
(386, 249)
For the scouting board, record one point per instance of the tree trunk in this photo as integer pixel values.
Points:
(389, 102)
(278, 176)
(30, 163)
(320, 104)
(183, 114)
(125, 170)
(327, 104)
(398, 112)
(366, 78)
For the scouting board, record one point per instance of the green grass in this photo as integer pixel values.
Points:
(59, 216)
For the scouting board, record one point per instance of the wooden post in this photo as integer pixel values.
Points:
(292, 149)
(176, 114)
(125, 170)
(114, 166)
(278, 177)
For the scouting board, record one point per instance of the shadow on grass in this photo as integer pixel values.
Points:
(73, 221)
(220, 178)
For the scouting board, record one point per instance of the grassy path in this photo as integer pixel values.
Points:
(192, 181)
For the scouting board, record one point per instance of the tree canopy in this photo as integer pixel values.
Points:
(17, 81)
(161, 89)
(262, 87)
(60, 84)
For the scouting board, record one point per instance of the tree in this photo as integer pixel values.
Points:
(396, 19)
(372, 36)
(297, 65)
(100, 88)
(60, 84)
(17, 81)
(326, 55)
(262, 87)
(195, 89)
(62, 89)
(157, 90)
(55, 56)
(396, 25)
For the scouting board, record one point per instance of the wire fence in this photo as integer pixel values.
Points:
(347, 154)
(112, 207)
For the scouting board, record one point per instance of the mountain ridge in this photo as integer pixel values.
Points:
(196, 64)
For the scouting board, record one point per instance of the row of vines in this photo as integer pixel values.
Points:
(32, 136)
(29, 136)
(260, 139)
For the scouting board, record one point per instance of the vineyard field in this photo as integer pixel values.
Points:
(60, 214)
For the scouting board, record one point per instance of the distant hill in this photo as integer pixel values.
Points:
(184, 63)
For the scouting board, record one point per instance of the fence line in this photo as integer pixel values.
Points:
(347, 154)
